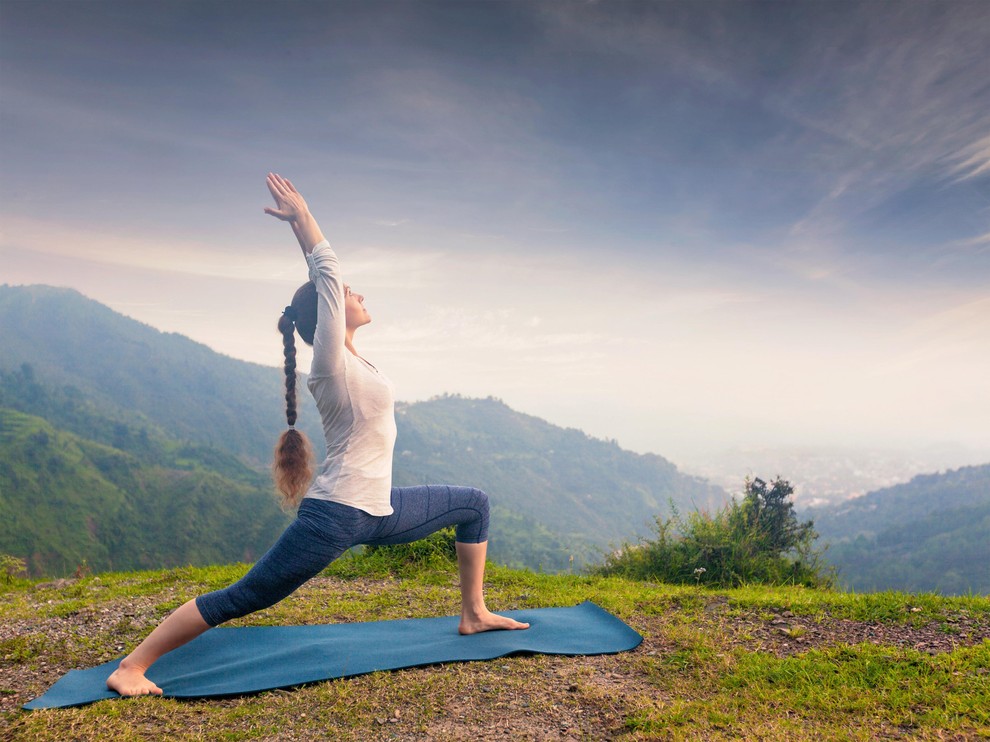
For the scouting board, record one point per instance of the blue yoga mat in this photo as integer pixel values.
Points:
(236, 661)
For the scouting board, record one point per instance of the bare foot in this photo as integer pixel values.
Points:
(488, 621)
(130, 681)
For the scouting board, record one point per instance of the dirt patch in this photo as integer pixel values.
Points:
(786, 634)
(41, 650)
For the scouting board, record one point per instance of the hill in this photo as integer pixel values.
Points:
(69, 502)
(927, 534)
(138, 373)
(588, 493)
(747, 663)
(559, 496)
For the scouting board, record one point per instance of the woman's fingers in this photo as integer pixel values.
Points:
(288, 201)
(277, 185)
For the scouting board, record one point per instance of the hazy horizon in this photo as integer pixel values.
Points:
(687, 226)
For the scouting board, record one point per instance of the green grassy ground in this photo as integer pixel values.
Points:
(753, 662)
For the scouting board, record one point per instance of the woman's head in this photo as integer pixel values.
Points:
(301, 313)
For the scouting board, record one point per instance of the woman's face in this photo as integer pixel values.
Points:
(354, 310)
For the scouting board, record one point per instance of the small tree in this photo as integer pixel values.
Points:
(769, 517)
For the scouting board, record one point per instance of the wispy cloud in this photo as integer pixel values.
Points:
(506, 330)
(980, 241)
(975, 159)
(102, 113)
(146, 252)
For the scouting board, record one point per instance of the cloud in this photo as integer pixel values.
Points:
(426, 108)
(377, 267)
(441, 328)
(975, 159)
(146, 252)
(965, 324)
(91, 111)
(980, 241)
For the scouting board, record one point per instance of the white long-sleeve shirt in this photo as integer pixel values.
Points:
(356, 402)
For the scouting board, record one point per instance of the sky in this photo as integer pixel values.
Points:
(685, 226)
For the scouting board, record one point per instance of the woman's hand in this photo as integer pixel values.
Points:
(291, 207)
(289, 203)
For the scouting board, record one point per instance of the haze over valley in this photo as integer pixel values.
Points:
(828, 475)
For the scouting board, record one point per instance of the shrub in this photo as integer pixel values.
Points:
(12, 569)
(757, 539)
(436, 550)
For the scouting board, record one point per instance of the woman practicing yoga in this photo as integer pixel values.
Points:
(352, 500)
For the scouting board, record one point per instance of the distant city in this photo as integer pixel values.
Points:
(823, 476)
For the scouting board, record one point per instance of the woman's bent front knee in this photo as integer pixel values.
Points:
(475, 530)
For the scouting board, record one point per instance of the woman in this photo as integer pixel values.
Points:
(351, 501)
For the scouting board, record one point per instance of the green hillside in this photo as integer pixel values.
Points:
(924, 495)
(747, 663)
(68, 501)
(927, 534)
(559, 497)
(180, 421)
(127, 458)
(587, 493)
(138, 373)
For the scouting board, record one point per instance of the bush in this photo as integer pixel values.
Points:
(12, 569)
(758, 539)
(435, 551)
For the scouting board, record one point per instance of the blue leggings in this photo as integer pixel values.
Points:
(323, 530)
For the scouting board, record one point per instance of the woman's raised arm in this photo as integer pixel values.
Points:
(291, 207)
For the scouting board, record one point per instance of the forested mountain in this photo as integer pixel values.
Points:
(928, 534)
(127, 447)
(143, 416)
(137, 373)
(586, 491)
(68, 501)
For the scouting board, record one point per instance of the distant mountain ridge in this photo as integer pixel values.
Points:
(923, 495)
(928, 534)
(558, 495)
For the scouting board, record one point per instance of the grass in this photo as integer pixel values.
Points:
(714, 664)
(859, 691)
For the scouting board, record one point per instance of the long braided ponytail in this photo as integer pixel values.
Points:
(292, 468)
